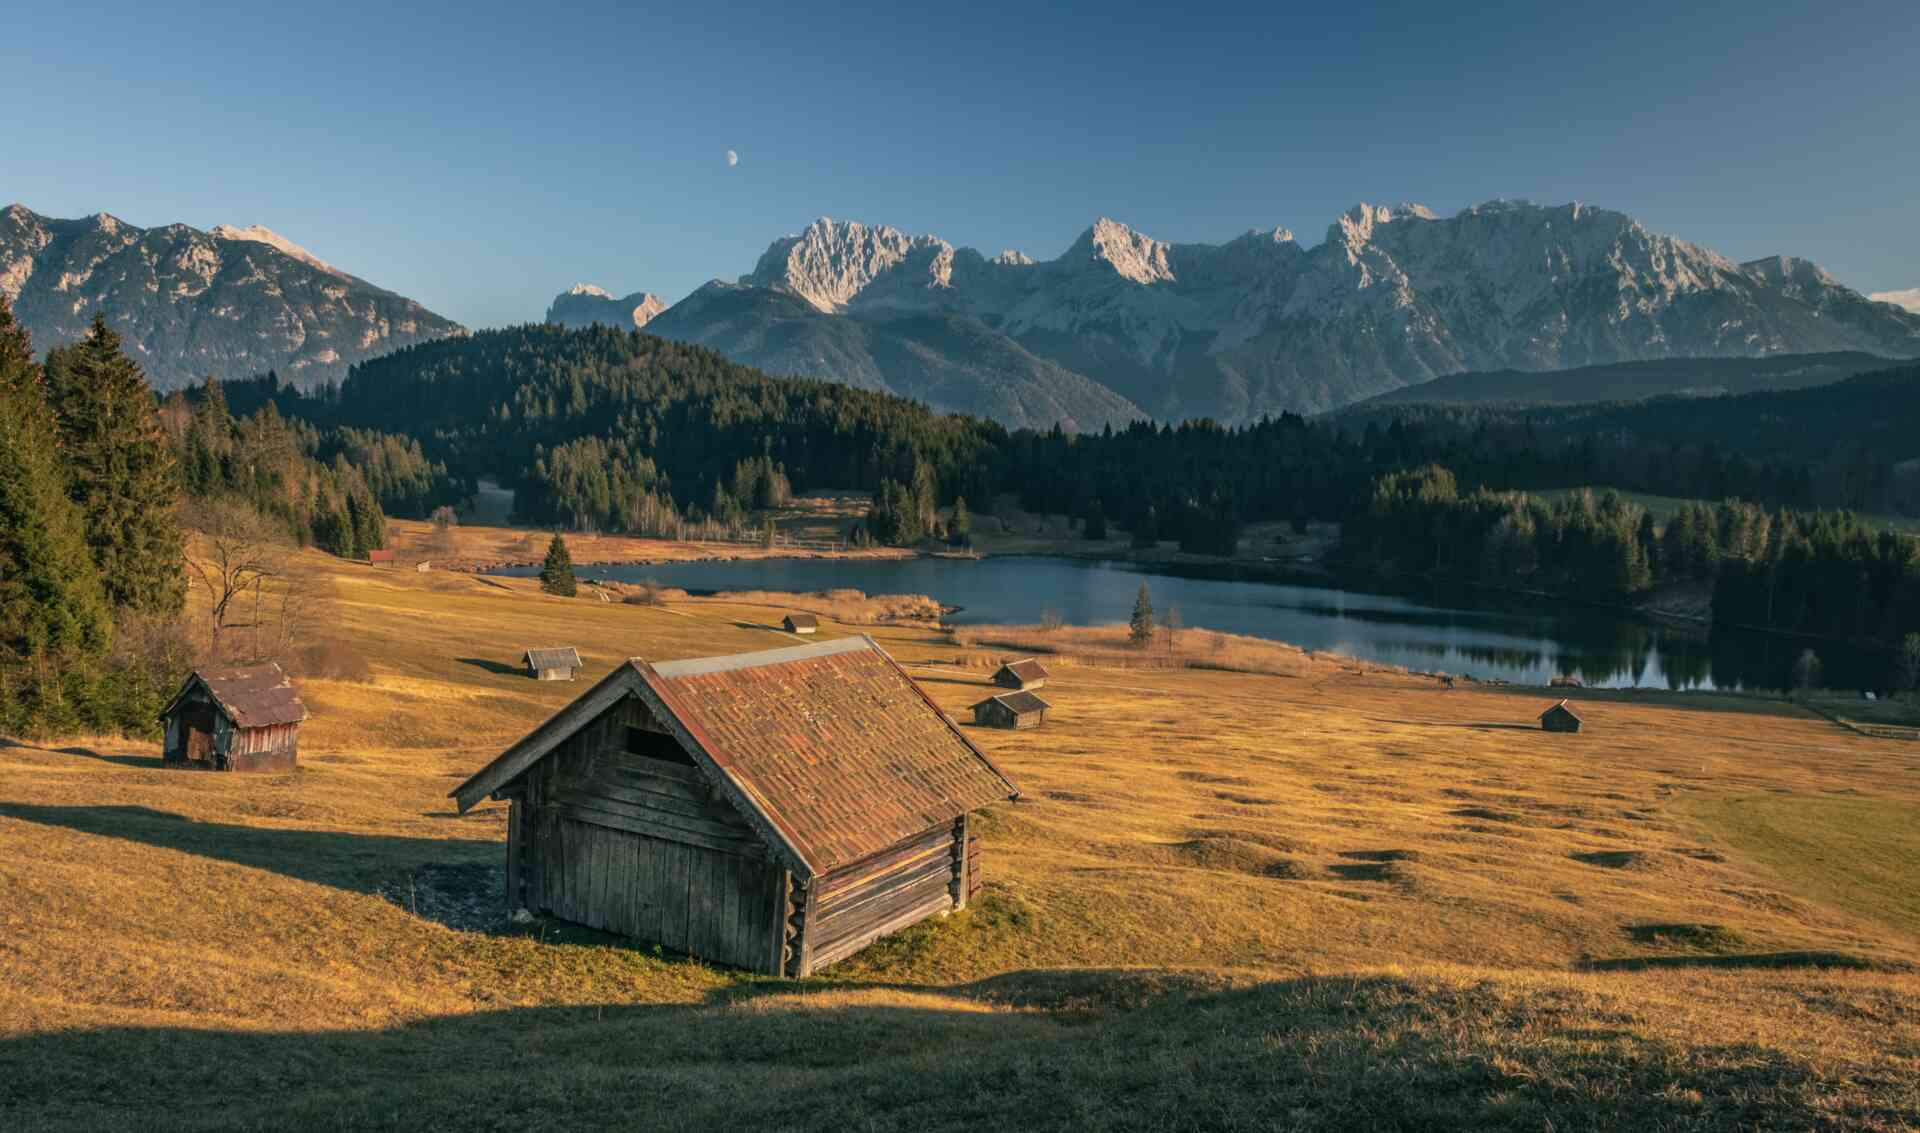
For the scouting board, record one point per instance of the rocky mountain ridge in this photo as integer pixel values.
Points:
(231, 302)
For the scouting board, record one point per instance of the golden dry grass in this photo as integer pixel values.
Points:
(821, 517)
(1228, 900)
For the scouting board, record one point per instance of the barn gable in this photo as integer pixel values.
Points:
(253, 696)
(830, 752)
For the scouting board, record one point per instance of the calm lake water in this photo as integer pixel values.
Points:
(1442, 631)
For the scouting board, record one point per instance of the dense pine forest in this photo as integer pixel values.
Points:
(101, 492)
(1825, 574)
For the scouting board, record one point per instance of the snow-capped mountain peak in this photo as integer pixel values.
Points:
(1132, 255)
(260, 234)
(1908, 299)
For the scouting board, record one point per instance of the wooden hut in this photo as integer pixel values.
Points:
(1011, 710)
(557, 664)
(1025, 674)
(1560, 718)
(800, 623)
(775, 811)
(380, 557)
(234, 719)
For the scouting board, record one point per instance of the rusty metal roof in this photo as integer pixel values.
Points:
(833, 744)
(1027, 670)
(252, 696)
(1020, 703)
(559, 657)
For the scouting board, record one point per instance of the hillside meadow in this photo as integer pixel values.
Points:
(1321, 896)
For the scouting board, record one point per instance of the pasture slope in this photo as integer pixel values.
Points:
(1324, 899)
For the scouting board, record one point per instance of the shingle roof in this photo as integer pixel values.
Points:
(830, 749)
(559, 657)
(833, 742)
(255, 696)
(1027, 670)
(1019, 702)
(1560, 707)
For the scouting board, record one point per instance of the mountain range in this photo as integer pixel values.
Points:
(229, 302)
(1122, 324)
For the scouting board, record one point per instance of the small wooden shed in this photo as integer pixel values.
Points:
(800, 623)
(775, 811)
(557, 664)
(380, 557)
(234, 719)
(1011, 710)
(1025, 674)
(1560, 718)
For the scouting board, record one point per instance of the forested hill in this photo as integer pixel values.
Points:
(619, 430)
(588, 423)
(1876, 412)
(1630, 381)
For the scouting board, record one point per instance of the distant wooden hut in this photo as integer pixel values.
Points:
(1025, 674)
(1566, 681)
(775, 811)
(424, 566)
(800, 623)
(1560, 718)
(380, 558)
(1011, 710)
(234, 719)
(557, 664)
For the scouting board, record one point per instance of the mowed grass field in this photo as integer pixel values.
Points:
(1330, 898)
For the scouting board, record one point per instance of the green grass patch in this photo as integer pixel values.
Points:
(1858, 855)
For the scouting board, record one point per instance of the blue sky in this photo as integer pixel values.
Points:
(480, 157)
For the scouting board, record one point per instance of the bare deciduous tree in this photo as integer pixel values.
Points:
(240, 555)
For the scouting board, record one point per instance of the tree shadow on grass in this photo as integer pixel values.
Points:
(359, 863)
(145, 761)
(1107, 1050)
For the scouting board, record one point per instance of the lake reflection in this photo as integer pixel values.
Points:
(1445, 631)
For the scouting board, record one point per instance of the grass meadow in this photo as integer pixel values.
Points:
(1320, 896)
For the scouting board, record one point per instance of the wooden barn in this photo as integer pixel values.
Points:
(1025, 674)
(1560, 718)
(1011, 710)
(380, 557)
(775, 811)
(557, 664)
(800, 623)
(234, 719)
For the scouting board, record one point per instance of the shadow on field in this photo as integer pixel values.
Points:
(150, 761)
(343, 859)
(1803, 959)
(1104, 1050)
(495, 667)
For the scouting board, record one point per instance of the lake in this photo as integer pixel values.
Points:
(1461, 632)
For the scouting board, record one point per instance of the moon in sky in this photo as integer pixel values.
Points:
(733, 159)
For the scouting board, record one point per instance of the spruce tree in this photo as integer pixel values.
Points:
(1096, 521)
(55, 623)
(1140, 626)
(121, 471)
(556, 576)
(960, 526)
